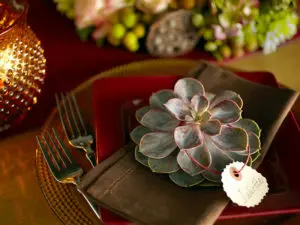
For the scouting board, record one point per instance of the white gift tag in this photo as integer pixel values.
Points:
(246, 188)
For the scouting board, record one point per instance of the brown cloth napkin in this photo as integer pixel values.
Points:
(127, 188)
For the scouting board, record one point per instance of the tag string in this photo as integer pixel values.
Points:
(215, 171)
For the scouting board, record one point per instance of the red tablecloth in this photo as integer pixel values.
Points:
(69, 60)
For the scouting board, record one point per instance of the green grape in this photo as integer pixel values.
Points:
(113, 41)
(131, 42)
(251, 43)
(118, 31)
(114, 18)
(66, 7)
(210, 46)
(139, 30)
(238, 52)
(126, 11)
(198, 20)
(208, 34)
(129, 20)
(225, 51)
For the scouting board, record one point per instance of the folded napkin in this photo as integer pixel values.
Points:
(123, 186)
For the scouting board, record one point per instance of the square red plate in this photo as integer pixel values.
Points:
(113, 106)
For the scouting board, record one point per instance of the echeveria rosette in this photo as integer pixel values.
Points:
(185, 131)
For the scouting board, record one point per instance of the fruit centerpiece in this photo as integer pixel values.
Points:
(169, 28)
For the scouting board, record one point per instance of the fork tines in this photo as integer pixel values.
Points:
(56, 154)
(70, 116)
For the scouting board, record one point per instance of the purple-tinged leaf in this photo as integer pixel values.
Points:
(186, 88)
(188, 136)
(140, 157)
(159, 120)
(248, 125)
(199, 103)
(226, 111)
(219, 160)
(141, 112)
(209, 96)
(211, 127)
(192, 160)
(178, 108)
(138, 132)
(183, 179)
(157, 145)
(226, 95)
(158, 99)
(231, 139)
(165, 165)
(254, 143)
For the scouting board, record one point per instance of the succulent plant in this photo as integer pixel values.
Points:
(189, 134)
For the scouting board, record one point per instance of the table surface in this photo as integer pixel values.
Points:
(21, 200)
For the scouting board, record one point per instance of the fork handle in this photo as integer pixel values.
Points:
(90, 155)
(93, 206)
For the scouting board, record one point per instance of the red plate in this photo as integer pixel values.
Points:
(112, 102)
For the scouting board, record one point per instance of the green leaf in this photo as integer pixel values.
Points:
(137, 134)
(255, 156)
(159, 120)
(189, 160)
(209, 96)
(178, 108)
(141, 112)
(207, 183)
(166, 165)
(182, 179)
(140, 157)
(227, 95)
(85, 33)
(157, 145)
(186, 88)
(211, 127)
(248, 125)
(158, 99)
(226, 111)
(188, 136)
(199, 103)
(231, 139)
(219, 160)
(254, 143)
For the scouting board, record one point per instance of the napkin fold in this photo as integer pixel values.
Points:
(127, 188)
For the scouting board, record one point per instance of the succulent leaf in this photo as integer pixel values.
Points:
(199, 103)
(186, 88)
(226, 111)
(166, 165)
(255, 156)
(254, 144)
(138, 132)
(210, 96)
(190, 159)
(226, 95)
(157, 145)
(249, 125)
(182, 179)
(207, 183)
(178, 108)
(141, 112)
(140, 157)
(158, 99)
(211, 127)
(231, 139)
(219, 160)
(188, 136)
(156, 119)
